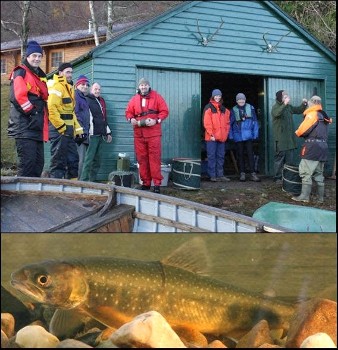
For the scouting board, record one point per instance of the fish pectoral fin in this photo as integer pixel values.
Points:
(191, 256)
(66, 323)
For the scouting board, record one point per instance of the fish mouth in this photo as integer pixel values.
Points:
(29, 290)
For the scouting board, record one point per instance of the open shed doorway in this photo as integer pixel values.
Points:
(231, 84)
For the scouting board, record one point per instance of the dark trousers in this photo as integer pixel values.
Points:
(64, 162)
(281, 158)
(30, 157)
(92, 159)
(241, 147)
(215, 152)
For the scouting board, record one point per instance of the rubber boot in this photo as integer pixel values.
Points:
(320, 189)
(305, 195)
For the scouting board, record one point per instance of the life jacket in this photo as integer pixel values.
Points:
(247, 112)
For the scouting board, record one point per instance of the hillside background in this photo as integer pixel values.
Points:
(318, 17)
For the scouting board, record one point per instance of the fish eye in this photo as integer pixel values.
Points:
(44, 280)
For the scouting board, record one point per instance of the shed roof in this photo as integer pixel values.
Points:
(145, 25)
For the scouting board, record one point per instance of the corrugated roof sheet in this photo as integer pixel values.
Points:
(55, 38)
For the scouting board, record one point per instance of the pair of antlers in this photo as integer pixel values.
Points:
(205, 40)
(269, 46)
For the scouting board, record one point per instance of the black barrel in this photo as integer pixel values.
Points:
(292, 182)
(186, 173)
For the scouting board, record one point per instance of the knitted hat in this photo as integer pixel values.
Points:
(316, 100)
(33, 47)
(64, 65)
(279, 95)
(216, 92)
(143, 81)
(240, 96)
(82, 79)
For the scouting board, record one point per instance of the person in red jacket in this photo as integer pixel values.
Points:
(146, 112)
(28, 116)
(216, 121)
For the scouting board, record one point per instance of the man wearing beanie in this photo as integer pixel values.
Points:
(216, 123)
(285, 141)
(28, 120)
(146, 112)
(64, 126)
(83, 117)
(243, 130)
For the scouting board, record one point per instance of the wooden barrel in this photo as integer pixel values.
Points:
(292, 182)
(186, 173)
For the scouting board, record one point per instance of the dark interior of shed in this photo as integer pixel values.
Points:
(230, 85)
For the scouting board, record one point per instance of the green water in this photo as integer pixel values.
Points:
(291, 265)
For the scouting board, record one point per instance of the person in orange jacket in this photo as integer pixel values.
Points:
(314, 152)
(146, 111)
(216, 121)
(28, 120)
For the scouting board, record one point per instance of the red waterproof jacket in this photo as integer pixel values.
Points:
(216, 121)
(28, 95)
(155, 107)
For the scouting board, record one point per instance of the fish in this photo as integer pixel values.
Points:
(114, 290)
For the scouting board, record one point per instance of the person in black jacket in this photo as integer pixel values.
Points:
(99, 133)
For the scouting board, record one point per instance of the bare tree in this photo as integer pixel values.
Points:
(94, 23)
(20, 29)
(110, 15)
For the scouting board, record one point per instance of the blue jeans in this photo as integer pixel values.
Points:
(215, 152)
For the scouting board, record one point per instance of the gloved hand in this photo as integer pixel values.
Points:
(79, 139)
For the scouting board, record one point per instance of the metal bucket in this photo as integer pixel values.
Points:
(123, 162)
(292, 182)
(186, 173)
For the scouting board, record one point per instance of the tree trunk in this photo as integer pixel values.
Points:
(95, 28)
(110, 15)
(25, 26)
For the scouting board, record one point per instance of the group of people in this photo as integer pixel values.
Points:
(75, 122)
(314, 152)
(240, 125)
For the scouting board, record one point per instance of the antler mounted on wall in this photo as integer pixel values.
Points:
(269, 46)
(205, 40)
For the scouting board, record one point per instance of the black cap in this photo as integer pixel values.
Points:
(64, 65)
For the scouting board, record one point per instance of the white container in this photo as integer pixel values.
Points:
(165, 171)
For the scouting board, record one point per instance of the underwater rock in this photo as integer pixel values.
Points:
(313, 316)
(7, 324)
(35, 337)
(149, 330)
(319, 340)
(258, 335)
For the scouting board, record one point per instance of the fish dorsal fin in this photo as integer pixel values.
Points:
(191, 256)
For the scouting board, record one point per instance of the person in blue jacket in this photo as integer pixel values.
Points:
(83, 117)
(243, 130)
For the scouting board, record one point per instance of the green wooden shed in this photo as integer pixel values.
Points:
(235, 46)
